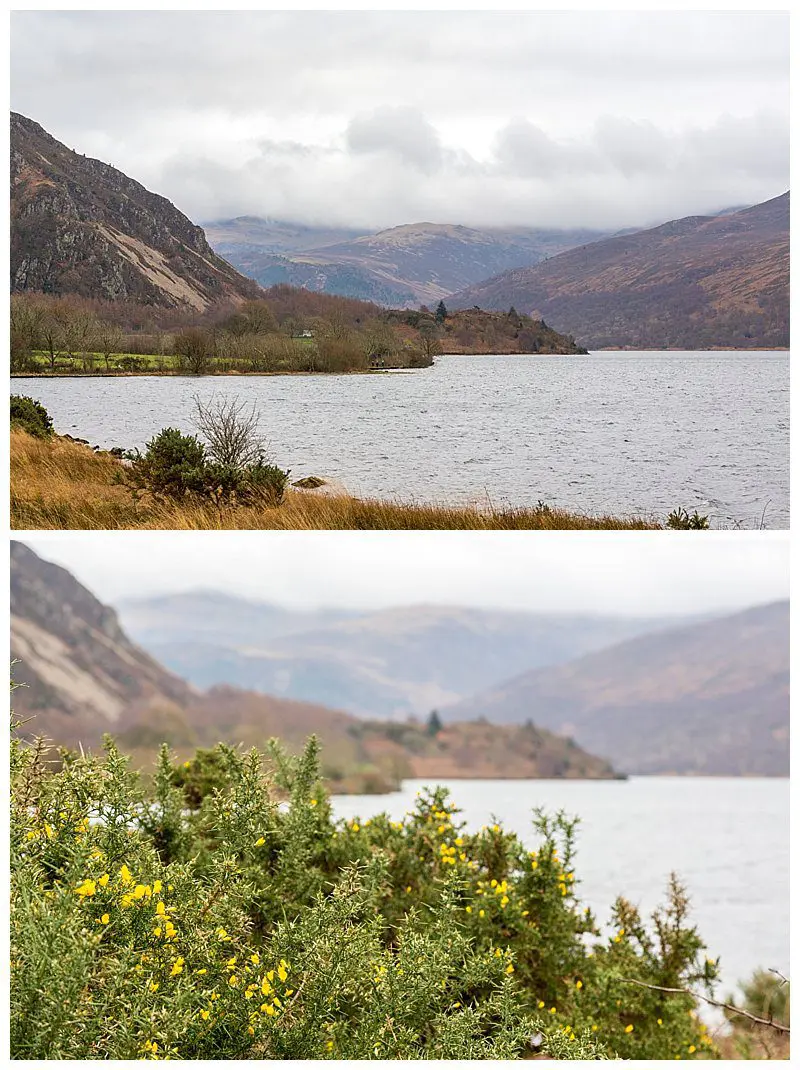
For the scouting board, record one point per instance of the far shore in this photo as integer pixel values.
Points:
(165, 373)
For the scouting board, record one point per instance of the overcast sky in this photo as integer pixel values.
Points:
(610, 573)
(374, 119)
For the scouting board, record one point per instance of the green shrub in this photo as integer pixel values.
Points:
(175, 466)
(251, 924)
(766, 995)
(172, 466)
(31, 416)
(680, 520)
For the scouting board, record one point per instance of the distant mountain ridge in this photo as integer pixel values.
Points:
(79, 226)
(84, 677)
(386, 663)
(708, 698)
(404, 266)
(693, 283)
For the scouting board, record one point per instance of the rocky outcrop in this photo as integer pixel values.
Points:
(79, 226)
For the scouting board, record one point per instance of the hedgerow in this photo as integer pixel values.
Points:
(231, 916)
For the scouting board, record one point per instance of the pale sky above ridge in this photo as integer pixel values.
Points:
(618, 573)
(373, 119)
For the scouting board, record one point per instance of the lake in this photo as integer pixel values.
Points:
(625, 432)
(727, 839)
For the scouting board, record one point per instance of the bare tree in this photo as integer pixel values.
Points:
(26, 331)
(53, 334)
(110, 341)
(429, 341)
(231, 430)
(81, 332)
(192, 348)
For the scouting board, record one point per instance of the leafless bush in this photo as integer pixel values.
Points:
(231, 430)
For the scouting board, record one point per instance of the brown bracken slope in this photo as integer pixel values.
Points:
(84, 677)
(696, 283)
(79, 226)
(710, 698)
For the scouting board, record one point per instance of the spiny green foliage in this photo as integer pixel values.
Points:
(766, 995)
(224, 913)
(175, 467)
(680, 520)
(31, 416)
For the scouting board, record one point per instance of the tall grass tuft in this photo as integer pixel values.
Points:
(63, 484)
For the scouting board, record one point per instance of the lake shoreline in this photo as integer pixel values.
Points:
(613, 432)
(60, 483)
(173, 373)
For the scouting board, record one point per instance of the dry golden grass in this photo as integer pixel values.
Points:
(57, 483)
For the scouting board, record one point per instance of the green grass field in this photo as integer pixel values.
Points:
(159, 364)
(95, 363)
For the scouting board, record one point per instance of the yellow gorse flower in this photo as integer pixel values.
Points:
(87, 888)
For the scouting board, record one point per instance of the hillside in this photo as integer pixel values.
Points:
(84, 677)
(388, 663)
(79, 226)
(711, 698)
(695, 283)
(401, 267)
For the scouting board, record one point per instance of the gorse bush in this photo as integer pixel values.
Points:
(31, 416)
(172, 465)
(175, 466)
(766, 995)
(224, 913)
(681, 520)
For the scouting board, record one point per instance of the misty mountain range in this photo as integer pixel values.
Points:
(702, 695)
(84, 677)
(390, 663)
(707, 694)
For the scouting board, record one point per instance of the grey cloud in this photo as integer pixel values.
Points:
(402, 131)
(524, 149)
(380, 118)
(632, 147)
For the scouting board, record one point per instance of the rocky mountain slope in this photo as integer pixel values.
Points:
(79, 226)
(83, 677)
(695, 283)
(390, 663)
(82, 672)
(402, 267)
(710, 698)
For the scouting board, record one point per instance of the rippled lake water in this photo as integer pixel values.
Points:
(619, 432)
(727, 839)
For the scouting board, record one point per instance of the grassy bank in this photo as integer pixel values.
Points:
(296, 357)
(58, 483)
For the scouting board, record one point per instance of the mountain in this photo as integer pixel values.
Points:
(695, 283)
(390, 663)
(82, 672)
(710, 698)
(402, 267)
(83, 677)
(79, 226)
(212, 616)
